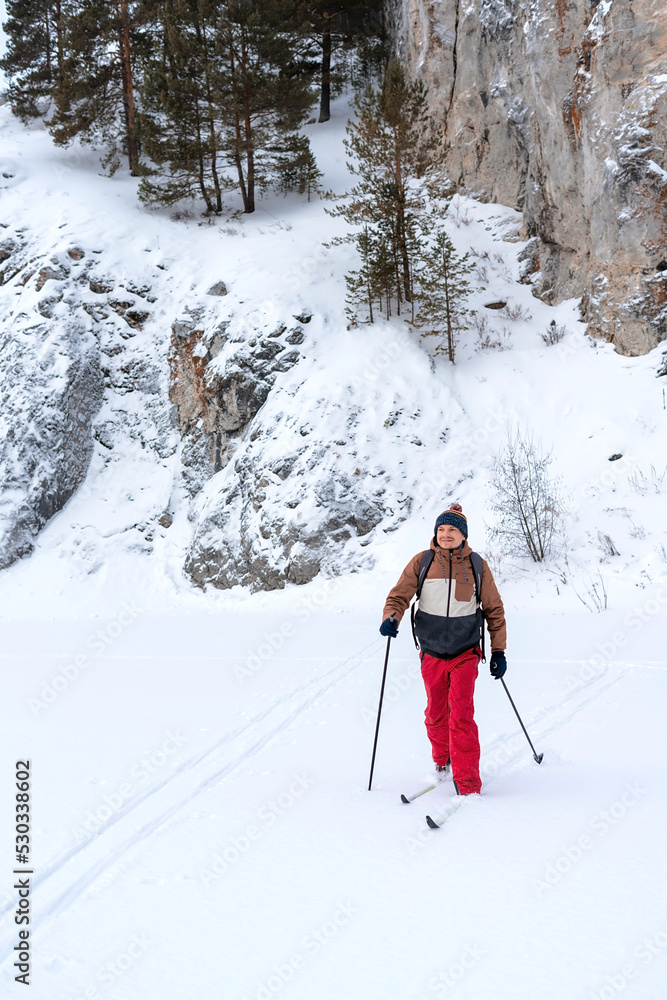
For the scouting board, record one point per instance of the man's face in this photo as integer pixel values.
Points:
(449, 537)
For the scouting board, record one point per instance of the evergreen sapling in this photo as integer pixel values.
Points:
(443, 290)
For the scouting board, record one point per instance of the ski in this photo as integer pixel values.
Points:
(411, 798)
(437, 824)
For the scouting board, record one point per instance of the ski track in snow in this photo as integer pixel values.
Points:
(87, 862)
(92, 858)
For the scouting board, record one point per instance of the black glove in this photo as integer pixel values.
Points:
(498, 664)
(389, 627)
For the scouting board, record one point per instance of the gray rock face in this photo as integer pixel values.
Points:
(295, 495)
(558, 110)
(270, 525)
(216, 402)
(46, 416)
(75, 381)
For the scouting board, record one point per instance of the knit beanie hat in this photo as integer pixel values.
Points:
(453, 515)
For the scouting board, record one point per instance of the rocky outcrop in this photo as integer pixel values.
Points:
(76, 376)
(558, 111)
(282, 518)
(215, 403)
(271, 525)
(292, 494)
(51, 390)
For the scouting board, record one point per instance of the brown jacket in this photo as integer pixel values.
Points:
(463, 592)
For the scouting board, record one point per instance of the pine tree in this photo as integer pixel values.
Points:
(298, 170)
(442, 290)
(331, 26)
(265, 91)
(34, 56)
(95, 95)
(181, 121)
(393, 146)
(374, 281)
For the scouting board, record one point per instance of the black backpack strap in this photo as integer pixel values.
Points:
(427, 558)
(477, 570)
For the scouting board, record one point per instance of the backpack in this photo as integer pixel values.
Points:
(427, 559)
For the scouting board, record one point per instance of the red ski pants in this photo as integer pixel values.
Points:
(450, 715)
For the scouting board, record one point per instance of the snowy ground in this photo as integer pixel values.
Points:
(202, 825)
(203, 828)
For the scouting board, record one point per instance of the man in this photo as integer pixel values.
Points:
(449, 627)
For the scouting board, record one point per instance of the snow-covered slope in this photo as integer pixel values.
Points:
(200, 758)
(359, 428)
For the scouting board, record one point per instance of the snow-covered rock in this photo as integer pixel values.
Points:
(301, 488)
(51, 388)
(72, 350)
(558, 110)
(215, 403)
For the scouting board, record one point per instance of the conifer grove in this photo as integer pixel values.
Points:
(194, 96)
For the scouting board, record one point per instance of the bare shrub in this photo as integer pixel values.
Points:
(505, 339)
(480, 323)
(651, 483)
(490, 339)
(517, 313)
(481, 254)
(554, 333)
(488, 342)
(607, 545)
(595, 596)
(494, 340)
(525, 499)
(506, 274)
(460, 217)
(482, 274)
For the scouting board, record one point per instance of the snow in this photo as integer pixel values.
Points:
(201, 819)
(655, 168)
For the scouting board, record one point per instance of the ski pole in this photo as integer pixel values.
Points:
(538, 756)
(377, 726)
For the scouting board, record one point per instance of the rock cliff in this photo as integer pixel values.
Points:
(558, 109)
(51, 389)
(77, 377)
(280, 484)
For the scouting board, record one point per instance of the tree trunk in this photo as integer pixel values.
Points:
(200, 157)
(49, 69)
(250, 160)
(60, 54)
(448, 314)
(247, 125)
(325, 90)
(211, 127)
(238, 144)
(127, 84)
(400, 213)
